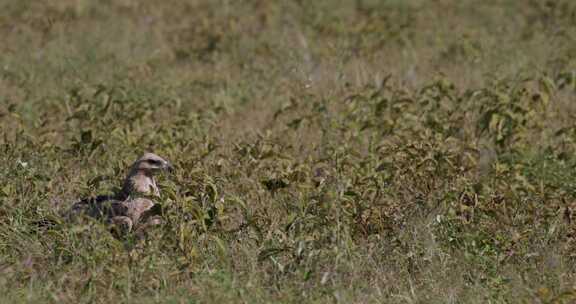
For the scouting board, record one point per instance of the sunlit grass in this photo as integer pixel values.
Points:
(326, 151)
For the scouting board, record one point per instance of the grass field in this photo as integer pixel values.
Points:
(326, 151)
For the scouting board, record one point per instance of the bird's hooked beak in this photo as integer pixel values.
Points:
(168, 167)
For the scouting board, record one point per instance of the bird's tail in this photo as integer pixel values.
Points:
(48, 223)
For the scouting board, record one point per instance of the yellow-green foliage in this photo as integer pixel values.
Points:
(349, 151)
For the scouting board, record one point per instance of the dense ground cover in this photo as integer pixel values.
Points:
(326, 151)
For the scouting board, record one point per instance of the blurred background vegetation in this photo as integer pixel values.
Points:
(348, 151)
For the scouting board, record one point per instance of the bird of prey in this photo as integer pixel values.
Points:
(134, 205)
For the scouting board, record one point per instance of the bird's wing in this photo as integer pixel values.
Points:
(99, 207)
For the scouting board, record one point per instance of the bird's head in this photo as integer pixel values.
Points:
(150, 163)
(140, 179)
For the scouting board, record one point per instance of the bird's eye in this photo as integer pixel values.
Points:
(154, 162)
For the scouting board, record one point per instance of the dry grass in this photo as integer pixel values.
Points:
(327, 151)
